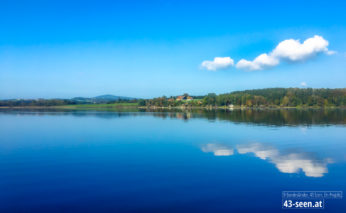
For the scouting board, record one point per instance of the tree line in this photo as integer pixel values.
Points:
(55, 102)
(36, 102)
(283, 97)
(271, 97)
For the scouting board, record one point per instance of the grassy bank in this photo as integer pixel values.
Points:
(78, 106)
(97, 106)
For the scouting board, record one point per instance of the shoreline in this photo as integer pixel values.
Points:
(72, 107)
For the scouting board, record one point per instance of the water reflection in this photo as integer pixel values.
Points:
(218, 150)
(290, 162)
(275, 117)
(285, 161)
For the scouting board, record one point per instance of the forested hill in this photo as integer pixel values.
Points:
(103, 99)
(283, 97)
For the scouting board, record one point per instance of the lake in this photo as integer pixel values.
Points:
(169, 161)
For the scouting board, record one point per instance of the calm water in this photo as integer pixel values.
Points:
(237, 161)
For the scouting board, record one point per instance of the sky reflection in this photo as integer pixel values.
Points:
(285, 161)
(218, 150)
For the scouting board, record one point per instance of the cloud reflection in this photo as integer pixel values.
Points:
(259, 150)
(291, 162)
(218, 150)
(285, 162)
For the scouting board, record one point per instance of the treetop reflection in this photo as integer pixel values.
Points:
(274, 117)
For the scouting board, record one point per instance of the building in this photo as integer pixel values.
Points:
(184, 98)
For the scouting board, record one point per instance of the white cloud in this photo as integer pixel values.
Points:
(218, 63)
(303, 84)
(293, 50)
(331, 52)
(218, 150)
(261, 62)
(289, 50)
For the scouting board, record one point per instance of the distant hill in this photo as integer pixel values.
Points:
(101, 99)
(112, 97)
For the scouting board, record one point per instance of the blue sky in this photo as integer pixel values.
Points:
(63, 49)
